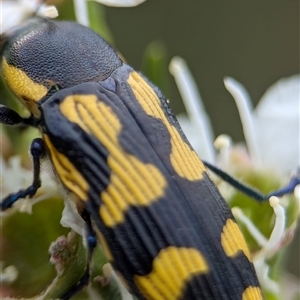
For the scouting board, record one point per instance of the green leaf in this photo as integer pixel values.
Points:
(155, 65)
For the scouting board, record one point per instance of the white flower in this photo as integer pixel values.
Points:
(71, 218)
(272, 130)
(121, 3)
(272, 137)
(269, 247)
(14, 177)
(197, 127)
(13, 13)
(81, 11)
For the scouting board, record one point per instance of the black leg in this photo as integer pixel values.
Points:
(91, 244)
(37, 150)
(90, 234)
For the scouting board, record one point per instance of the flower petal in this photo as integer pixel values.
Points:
(121, 3)
(15, 12)
(277, 117)
(244, 105)
(200, 127)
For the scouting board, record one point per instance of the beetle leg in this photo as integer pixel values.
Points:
(37, 150)
(91, 244)
(90, 234)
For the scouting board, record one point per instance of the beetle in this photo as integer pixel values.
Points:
(119, 152)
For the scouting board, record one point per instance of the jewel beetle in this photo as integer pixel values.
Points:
(119, 152)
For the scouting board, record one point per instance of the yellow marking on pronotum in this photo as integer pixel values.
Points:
(24, 87)
(66, 171)
(172, 269)
(131, 181)
(232, 240)
(252, 293)
(184, 160)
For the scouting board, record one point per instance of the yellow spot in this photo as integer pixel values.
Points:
(83, 110)
(132, 182)
(104, 246)
(184, 160)
(232, 240)
(172, 269)
(67, 173)
(142, 185)
(252, 293)
(24, 87)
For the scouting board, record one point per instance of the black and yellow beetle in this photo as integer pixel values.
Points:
(119, 152)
